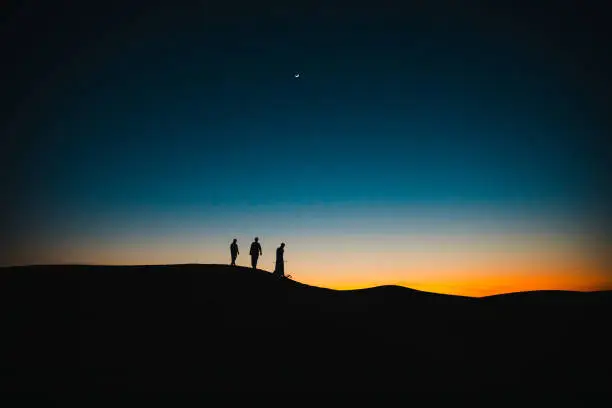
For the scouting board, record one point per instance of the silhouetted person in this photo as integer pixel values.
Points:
(280, 262)
(255, 252)
(234, 251)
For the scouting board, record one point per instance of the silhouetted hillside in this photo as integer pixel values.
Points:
(221, 327)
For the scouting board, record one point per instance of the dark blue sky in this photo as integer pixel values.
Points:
(116, 108)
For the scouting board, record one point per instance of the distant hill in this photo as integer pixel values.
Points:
(221, 327)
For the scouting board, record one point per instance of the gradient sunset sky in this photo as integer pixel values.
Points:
(456, 149)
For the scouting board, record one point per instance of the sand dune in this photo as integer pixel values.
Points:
(220, 327)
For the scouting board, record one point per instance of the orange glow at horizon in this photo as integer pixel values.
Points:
(493, 285)
(476, 252)
(473, 279)
(461, 271)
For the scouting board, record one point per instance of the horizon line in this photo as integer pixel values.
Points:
(264, 270)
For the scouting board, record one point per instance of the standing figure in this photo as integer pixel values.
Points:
(234, 251)
(255, 252)
(280, 262)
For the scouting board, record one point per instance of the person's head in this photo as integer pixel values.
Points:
(282, 244)
(256, 239)
(235, 240)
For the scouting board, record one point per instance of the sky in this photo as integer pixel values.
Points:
(451, 148)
